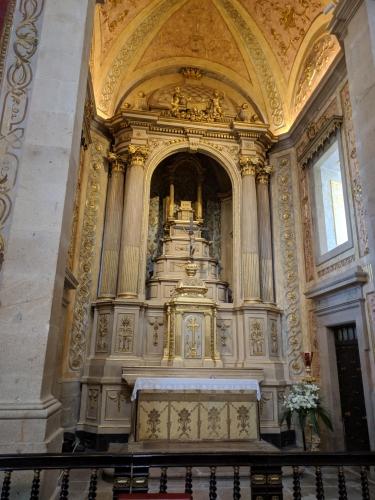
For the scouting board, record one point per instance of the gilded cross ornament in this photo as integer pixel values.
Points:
(193, 326)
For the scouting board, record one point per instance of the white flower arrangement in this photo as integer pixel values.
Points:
(305, 402)
(302, 396)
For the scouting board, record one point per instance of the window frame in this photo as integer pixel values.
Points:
(320, 257)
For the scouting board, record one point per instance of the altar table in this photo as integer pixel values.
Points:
(190, 409)
(198, 384)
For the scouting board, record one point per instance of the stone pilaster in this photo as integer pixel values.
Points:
(132, 220)
(249, 230)
(354, 24)
(112, 229)
(265, 235)
(47, 165)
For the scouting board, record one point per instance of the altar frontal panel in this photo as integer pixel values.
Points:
(197, 416)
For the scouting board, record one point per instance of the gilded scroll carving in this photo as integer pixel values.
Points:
(15, 103)
(81, 311)
(320, 57)
(260, 62)
(360, 210)
(132, 45)
(290, 266)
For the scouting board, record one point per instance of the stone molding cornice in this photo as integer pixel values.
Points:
(342, 16)
(318, 139)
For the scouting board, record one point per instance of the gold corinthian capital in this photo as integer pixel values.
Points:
(249, 165)
(117, 164)
(264, 173)
(137, 155)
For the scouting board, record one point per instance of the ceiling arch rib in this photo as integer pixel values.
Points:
(257, 48)
(121, 59)
(264, 72)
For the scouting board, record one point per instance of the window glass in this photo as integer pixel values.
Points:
(329, 200)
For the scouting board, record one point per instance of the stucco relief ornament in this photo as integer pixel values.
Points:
(196, 109)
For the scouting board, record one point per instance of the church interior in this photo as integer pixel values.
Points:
(186, 201)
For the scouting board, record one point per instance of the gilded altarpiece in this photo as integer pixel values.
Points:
(185, 314)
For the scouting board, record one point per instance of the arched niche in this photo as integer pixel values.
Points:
(211, 215)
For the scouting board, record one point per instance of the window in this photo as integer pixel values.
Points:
(330, 205)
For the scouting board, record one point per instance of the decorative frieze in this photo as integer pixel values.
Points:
(356, 183)
(290, 266)
(337, 265)
(81, 316)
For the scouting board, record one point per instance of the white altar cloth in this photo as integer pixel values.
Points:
(200, 384)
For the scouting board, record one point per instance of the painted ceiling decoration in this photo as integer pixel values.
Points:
(268, 56)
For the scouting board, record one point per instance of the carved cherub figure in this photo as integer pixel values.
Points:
(178, 99)
(216, 107)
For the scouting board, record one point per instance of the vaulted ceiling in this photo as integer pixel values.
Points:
(270, 54)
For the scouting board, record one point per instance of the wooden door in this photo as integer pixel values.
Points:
(351, 388)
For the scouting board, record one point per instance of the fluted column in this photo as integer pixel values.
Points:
(171, 199)
(112, 228)
(249, 230)
(265, 235)
(199, 214)
(131, 223)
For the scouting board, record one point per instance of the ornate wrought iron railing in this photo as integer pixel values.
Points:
(264, 476)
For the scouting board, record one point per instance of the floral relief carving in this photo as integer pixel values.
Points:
(125, 333)
(102, 333)
(113, 14)
(15, 103)
(360, 210)
(188, 33)
(156, 323)
(260, 62)
(81, 310)
(317, 61)
(306, 226)
(285, 24)
(256, 338)
(290, 266)
(274, 338)
(118, 398)
(129, 49)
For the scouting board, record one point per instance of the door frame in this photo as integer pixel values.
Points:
(336, 306)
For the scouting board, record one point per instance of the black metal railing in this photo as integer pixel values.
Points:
(260, 473)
